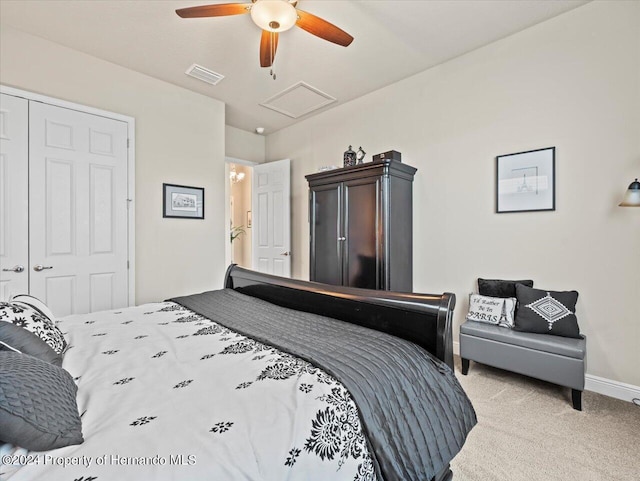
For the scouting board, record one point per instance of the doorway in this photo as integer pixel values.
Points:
(239, 220)
(258, 215)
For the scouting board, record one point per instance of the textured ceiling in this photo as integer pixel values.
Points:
(393, 40)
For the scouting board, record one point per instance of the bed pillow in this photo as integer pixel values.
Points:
(38, 409)
(547, 312)
(31, 319)
(36, 304)
(492, 310)
(17, 339)
(500, 287)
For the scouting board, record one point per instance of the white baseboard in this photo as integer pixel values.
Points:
(601, 385)
(616, 389)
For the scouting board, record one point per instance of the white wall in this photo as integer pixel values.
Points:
(244, 145)
(180, 139)
(572, 82)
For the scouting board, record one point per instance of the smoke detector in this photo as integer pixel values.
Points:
(260, 130)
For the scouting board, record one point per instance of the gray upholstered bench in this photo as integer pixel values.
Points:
(556, 359)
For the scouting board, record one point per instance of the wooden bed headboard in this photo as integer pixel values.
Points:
(425, 319)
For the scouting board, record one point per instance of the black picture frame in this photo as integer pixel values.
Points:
(526, 181)
(182, 201)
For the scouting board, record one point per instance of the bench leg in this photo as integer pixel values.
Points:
(465, 366)
(576, 398)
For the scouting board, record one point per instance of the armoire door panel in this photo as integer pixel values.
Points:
(362, 232)
(326, 234)
(14, 196)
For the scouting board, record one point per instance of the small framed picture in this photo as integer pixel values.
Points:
(249, 219)
(525, 181)
(182, 202)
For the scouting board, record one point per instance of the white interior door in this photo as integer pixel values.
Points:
(14, 196)
(271, 218)
(78, 210)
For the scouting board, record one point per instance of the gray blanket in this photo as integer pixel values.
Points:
(431, 414)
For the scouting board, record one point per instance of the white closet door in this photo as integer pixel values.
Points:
(14, 196)
(78, 206)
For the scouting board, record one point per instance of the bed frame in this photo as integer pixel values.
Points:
(424, 319)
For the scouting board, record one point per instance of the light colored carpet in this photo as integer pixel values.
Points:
(528, 431)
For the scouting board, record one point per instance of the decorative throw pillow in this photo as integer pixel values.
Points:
(32, 320)
(35, 303)
(492, 310)
(16, 339)
(547, 312)
(499, 287)
(38, 409)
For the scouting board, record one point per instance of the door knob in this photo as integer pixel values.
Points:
(286, 254)
(40, 267)
(17, 269)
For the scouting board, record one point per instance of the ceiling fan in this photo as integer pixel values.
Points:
(273, 17)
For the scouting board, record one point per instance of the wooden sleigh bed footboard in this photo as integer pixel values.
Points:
(424, 319)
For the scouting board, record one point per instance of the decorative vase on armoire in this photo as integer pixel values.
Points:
(361, 227)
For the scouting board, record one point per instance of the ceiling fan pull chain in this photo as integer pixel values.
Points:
(271, 51)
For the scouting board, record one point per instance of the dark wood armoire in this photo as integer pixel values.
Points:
(361, 227)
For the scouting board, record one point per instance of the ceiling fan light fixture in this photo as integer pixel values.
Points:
(274, 15)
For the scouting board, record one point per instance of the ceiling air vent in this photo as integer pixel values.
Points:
(204, 74)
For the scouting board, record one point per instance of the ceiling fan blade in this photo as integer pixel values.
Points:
(218, 10)
(323, 29)
(268, 47)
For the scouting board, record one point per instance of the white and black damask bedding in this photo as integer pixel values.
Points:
(166, 393)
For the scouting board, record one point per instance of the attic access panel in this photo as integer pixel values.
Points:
(298, 100)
